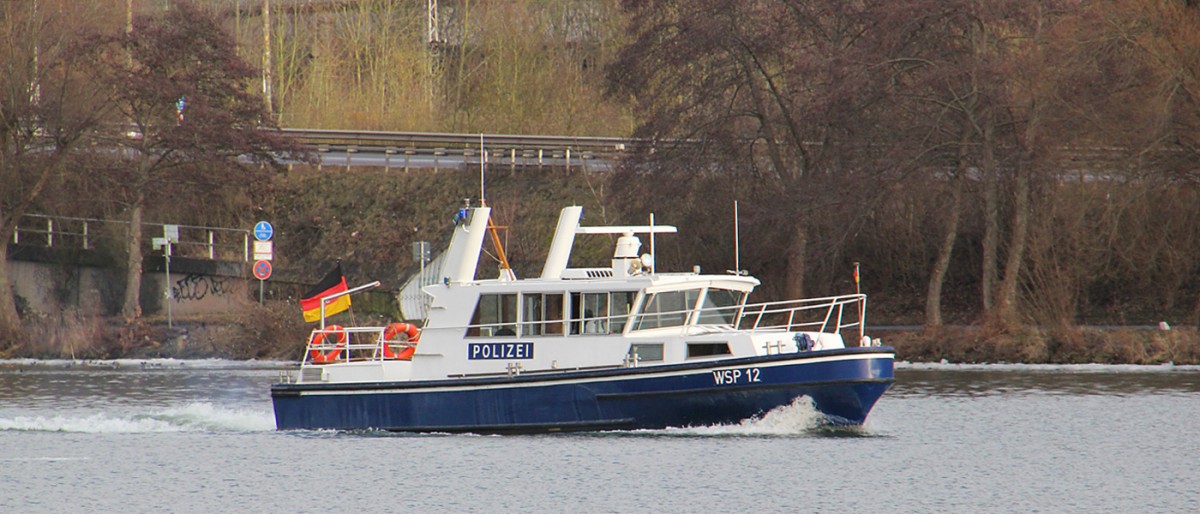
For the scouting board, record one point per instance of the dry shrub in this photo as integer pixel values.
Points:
(68, 335)
(1066, 345)
(274, 330)
(1150, 346)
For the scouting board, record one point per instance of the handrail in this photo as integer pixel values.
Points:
(830, 312)
(834, 311)
(828, 315)
(78, 232)
(467, 141)
(328, 299)
(351, 350)
(510, 146)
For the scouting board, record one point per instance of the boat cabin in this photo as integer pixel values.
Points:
(625, 315)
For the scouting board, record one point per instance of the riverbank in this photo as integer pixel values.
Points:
(269, 331)
(1033, 345)
(273, 331)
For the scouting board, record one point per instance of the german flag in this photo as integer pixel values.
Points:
(332, 284)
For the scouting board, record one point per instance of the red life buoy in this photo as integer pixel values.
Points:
(412, 336)
(321, 357)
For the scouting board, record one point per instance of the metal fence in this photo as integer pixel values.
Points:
(214, 243)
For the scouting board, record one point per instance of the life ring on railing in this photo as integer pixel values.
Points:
(322, 357)
(412, 336)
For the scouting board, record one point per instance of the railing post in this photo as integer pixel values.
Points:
(211, 247)
(862, 313)
(50, 233)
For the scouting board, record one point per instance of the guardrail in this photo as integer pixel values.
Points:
(83, 233)
(499, 147)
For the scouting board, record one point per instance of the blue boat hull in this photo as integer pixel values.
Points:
(843, 385)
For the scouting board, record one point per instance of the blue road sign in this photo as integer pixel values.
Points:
(263, 231)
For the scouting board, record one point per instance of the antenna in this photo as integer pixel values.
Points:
(737, 247)
(482, 157)
(653, 255)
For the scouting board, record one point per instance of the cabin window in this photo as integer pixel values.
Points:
(667, 309)
(707, 349)
(645, 352)
(720, 307)
(620, 307)
(542, 314)
(531, 322)
(554, 313)
(589, 313)
(495, 315)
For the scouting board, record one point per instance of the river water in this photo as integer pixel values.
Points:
(198, 436)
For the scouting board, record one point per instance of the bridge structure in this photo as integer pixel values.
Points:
(410, 150)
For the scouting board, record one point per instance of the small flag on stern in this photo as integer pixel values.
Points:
(332, 284)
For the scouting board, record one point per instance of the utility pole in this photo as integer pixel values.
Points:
(35, 89)
(432, 41)
(266, 63)
(431, 22)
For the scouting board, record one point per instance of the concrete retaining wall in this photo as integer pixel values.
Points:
(52, 288)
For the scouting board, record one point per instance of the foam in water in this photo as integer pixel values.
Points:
(156, 363)
(797, 418)
(1067, 368)
(193, 417)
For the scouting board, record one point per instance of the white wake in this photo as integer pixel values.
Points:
(192, 417)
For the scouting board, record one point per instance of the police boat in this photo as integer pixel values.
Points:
(585, 349)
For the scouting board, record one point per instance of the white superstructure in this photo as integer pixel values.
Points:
(625, 315)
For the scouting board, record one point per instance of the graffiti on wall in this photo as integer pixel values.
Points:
(194, 287)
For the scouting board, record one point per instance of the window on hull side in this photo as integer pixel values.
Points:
(646, 352)
(495, 315)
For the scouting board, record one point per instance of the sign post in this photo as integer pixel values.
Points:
(264, 253)
(421, 254)
(170, 235)
(262, 271)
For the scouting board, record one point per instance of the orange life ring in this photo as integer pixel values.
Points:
(322, 357)
(412, 335)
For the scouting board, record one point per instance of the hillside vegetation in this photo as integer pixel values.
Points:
(1021, 167)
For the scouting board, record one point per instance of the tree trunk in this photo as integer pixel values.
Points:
(132, 308)
(10, 322)
(937, 276)
(1006, 301)
(796, 262)
(991, 222)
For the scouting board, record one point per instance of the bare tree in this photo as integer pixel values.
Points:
(185, 100)
(47, 106)
(786, 92)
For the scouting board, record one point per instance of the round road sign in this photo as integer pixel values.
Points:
(263, 231)
(262, 270)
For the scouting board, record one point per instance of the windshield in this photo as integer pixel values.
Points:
(667, 309)
(720, 307)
